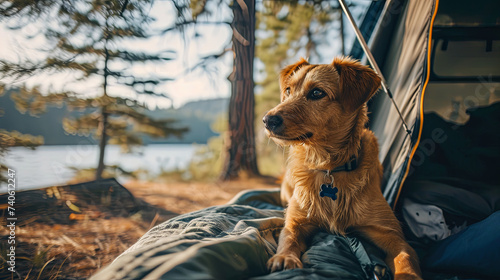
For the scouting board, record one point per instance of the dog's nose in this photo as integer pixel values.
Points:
(273, 122)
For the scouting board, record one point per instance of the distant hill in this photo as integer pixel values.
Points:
(197, 115)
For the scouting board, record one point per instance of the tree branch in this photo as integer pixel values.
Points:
(180, 25)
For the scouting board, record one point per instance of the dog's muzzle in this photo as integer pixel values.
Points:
(273, 123)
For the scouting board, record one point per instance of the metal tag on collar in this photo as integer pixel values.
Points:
(328, 189)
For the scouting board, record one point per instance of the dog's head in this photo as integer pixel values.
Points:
(319, 102)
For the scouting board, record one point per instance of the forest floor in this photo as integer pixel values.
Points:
(76, 238)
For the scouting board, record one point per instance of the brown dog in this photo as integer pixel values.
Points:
(333, 175)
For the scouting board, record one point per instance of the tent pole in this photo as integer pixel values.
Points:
(371, 60)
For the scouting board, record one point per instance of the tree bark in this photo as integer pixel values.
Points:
(102, 144)
(240, 147)
(342, 32)
(103, 124)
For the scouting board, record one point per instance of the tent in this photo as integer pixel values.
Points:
(441, 61)
(432, 53)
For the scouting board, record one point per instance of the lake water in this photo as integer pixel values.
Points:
(49, 165)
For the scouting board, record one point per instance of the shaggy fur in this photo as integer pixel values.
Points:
(322, 116)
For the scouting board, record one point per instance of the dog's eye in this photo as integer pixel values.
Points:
(287, 91)
(316, 94)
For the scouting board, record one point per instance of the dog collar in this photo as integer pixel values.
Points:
(349, 166)
(328, 189)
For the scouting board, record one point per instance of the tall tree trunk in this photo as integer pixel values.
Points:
(240, 148)
(342, 32)
(103, 124)
(102, 143)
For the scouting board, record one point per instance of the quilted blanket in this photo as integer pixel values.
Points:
(234, 241)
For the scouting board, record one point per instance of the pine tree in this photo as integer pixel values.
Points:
(239, 150)
(241, 154)
(9, 139)
(88, 38)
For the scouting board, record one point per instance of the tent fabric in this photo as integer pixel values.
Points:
(458, 174)
(483, 13)
(405, 69)
(234, 241)
(473, 201)
(367, 26)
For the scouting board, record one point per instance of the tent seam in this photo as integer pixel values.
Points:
(421, 124)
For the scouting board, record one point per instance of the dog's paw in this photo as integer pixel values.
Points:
(280, 262)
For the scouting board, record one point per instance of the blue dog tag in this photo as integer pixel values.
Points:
(328, 190)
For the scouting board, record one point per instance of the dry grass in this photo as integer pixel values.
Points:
(71, 251)
(64, 244)
(184, 197)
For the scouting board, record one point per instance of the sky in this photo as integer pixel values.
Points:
(188, 86)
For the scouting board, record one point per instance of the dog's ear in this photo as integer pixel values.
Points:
(290, 69)
(358, 82)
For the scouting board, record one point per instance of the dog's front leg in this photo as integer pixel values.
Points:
(401, 258)
(293, 239)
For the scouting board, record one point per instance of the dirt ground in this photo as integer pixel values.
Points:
(76, 242)
(184, 197)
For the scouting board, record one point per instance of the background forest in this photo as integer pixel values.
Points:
(167, 96)
(114, 92)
